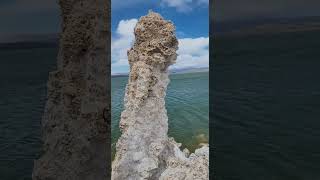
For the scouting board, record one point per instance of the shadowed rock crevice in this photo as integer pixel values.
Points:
(144, 150)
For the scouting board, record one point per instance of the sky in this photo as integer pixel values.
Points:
(21, 18)
(24, 17)
(242, 10)
(191, 18)
(43, 16)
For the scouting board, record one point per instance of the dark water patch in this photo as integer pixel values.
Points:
(266, 102)
(23, 77)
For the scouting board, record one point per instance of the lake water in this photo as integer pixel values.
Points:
(265, 97)
(23, 78)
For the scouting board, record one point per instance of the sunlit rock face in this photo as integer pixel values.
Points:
(144, 150)
(75, 125)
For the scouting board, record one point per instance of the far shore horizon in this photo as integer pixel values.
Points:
(171, 72)
(247, 26)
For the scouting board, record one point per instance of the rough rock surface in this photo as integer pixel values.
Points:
(144, 150)
(77, 113)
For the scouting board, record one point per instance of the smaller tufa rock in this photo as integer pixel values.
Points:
(186, 152)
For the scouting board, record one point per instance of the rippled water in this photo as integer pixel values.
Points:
(265, 94)
(23, 77)
(265, 107)
(187, 104)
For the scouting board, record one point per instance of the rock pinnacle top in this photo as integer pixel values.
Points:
(155, 41)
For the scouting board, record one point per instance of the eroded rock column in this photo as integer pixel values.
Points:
(75, 124)
(144, 150)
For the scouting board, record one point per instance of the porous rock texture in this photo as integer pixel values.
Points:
(144, 150)
(75, 125)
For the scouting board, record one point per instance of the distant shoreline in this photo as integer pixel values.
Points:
(267, 27)
(189, 71)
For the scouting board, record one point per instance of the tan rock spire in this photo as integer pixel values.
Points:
(75, 128)
(144, 150)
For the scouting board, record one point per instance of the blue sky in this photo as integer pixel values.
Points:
(190, 17)
(34, 17)
(28, 17)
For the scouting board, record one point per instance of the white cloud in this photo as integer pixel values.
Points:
(193, 46)
(122, 41)
(192, 52)
(126, 27)
(184, 5)
(181, 5)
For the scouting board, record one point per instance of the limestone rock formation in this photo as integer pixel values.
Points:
(76, 121)
(144, 150)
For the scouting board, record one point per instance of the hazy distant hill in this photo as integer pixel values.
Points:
(261, 26)
(28, 45)
(173, 71)
(29, 41)
(17, 38)
(189, 70)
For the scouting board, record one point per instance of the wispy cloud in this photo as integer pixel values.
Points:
(118, 4)
(120, 43)
(192, 53)
(184, 5)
